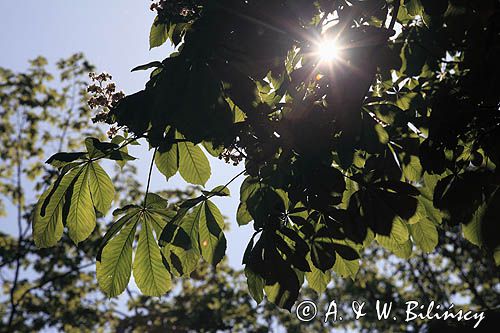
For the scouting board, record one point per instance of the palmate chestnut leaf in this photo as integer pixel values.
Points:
(114, 264)
(82, 189)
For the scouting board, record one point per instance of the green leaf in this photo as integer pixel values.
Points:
(350, 188)
(48, 218)
(211, 237)
(381, 209)
(404, 101)
(420, 213)
(81, 218)
(170, 230)
(263, 204)
(425, 235)
(214, 151)
(398, 240)
(413, 169)
(370, 236)
(382, 134)
(167, 162)
(219, 191)
(114, 269)
(243, 217)
(399, 232)
(238, 114)
(120, 156)
(248, 187)
(158, 34)
(317, 279)
(116, 227)
(61, 159)
(496, 255)
(47, 230)
(281, 295)
(414, 7)
(108, 150)
(323, 254)
(96, 148)
(181, 262)
(101, 188)
(150, 274)
(413, 58)
(193, 164)
(180, 239)
(255, 285)
(152, 64)
(191, 225)
(403, 250)
(71, 200)
(472, 230)
(346, 268)
(187, 256)
(156, 202)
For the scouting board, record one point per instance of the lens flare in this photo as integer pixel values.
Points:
(328, 50)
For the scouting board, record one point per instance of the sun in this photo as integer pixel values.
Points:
(328, 50)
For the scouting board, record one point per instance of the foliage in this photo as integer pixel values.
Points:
(393, 142)
(55, 288)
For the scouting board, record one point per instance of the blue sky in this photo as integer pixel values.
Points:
(113, 34)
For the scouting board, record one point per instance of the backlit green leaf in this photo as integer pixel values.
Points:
(402, 250)
(158, 34)
(472, 230)
(346, 268)
(255, 285)
(81, 218)
(61, 159)
(48, 217)
(183, 258)
(150, 274)
(114, 269)
(167, 162)
(212, 240)
(425, 235)
(116, 227)
(243, 217)
(101, 188)
(193, 164)
(413, 170)
(316, 279)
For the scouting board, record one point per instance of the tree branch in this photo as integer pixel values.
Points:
(226, 185)
(70, 115)
(52, 279)
(19, 195)
(149, 176)
(395, 13)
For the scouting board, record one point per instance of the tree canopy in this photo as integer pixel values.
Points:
(393, 141)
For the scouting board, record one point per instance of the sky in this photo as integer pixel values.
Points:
(113, 34)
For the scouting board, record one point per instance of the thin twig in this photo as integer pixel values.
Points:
(70, 115)
(129, 141)
(394, 14)
(226, 185)
(149, 177)
(52, 279)
(19, 217)
(129, 293)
